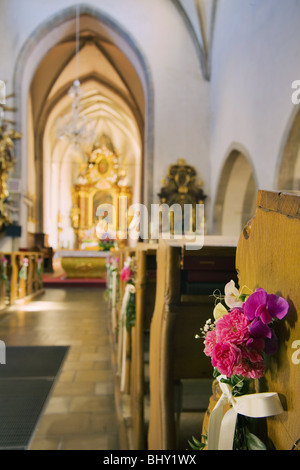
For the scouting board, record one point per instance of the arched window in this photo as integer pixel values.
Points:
(289, 172)
(236, 196)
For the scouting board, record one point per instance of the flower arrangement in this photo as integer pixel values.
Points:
(128, 271)
(23, 269)
(240, 338)
(128, 276)
(39, 270)
(107, 244)
(4, 262)
(238, 342)
(4, 277)
(112, 265)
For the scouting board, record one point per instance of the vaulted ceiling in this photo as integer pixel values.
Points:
(113, 97)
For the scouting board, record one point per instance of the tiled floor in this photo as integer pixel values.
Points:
(80, 414)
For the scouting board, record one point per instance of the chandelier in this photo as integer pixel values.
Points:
(75, 127)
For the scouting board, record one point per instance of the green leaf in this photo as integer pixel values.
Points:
(192, 446)
(216, 373)
(196, 445)
(254, 443)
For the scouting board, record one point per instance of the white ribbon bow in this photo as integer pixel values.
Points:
(221, 429)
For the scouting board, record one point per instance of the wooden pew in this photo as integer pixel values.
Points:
(268, 256)
(183, 303)
(145, 300)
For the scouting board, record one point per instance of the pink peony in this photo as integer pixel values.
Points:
(225, 357)
(233, 327)
(258, 344)
(210, 342)
(126, 274)
(251, 355)
(251, 370)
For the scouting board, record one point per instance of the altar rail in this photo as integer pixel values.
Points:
(21, 276)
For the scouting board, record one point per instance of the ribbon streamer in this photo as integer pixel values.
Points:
(114, 299)
(221, 429)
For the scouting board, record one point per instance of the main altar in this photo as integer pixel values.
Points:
(80, 264)
(101, 181)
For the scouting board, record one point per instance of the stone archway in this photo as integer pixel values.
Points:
(42, 40)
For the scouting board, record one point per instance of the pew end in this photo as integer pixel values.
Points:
(184, 302)
(268, 256)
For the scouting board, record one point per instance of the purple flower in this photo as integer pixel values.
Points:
(261, 308)
(265, 307)
(271, 344)
(258, 329)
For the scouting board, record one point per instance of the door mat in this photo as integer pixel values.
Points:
(26, 381)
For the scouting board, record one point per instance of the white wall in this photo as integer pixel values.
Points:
(255, 59)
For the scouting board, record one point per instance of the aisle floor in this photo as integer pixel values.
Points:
(80, 413)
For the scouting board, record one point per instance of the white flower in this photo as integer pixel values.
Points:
(127, 261)
(232, 295)
(219, 311)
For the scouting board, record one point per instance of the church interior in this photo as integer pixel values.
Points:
(149, 225)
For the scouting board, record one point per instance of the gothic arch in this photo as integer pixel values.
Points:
(236, 195)
(47, 36)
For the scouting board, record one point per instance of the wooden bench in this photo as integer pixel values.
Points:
(145, 301)
(185, 284)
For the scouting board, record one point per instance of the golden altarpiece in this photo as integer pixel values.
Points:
(7, 157)
(100, 181)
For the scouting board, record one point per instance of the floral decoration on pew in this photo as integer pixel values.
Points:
(239, 341)
(4, 263)
(23, 269)
(4, 275)
(129, 270)
(112, 266)
(128, 276)
(39, 270)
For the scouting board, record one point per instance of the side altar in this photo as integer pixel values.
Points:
(83, 263)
